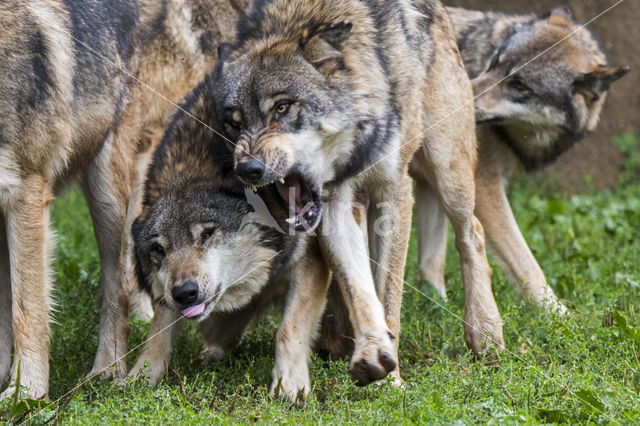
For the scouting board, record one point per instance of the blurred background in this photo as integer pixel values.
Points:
(596, 161)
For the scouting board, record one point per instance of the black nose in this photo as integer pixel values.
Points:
(251, 171)
(186, 294)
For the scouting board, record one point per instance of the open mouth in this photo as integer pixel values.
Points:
(301, 200)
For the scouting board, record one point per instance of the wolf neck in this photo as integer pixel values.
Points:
(479, 34)
(534, 147)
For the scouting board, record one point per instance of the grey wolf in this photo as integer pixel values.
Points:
(328, 97)
(67, 111)
(200, 258)
(529, 111)
(525, 120)
(178, 46)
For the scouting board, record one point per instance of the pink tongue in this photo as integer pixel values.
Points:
(283, 190)
(194, 311)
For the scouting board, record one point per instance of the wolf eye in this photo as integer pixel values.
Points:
(231, 128)
(281, 109)
(518, 85)
(206, 234)
(157, 250)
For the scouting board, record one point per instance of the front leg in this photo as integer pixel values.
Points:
(6, 329)
(30, 244)
(156, 354)
(344, 246)
(306, 302)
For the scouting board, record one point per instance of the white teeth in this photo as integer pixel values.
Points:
(254, 188)
(281, 180)
(291, 220)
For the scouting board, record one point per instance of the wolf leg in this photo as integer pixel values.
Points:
(432, 227)
(223, 330)
(156, 354)
(139, 301)
(452, 176)
(30, 244)
(447, 159)
(107, 187)
(389, 222)
(509, 246)
(306, 302)
(344, 246)
(6, 330)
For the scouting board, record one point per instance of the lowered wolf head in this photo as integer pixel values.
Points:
(284, 115)
(196, 253)
(545, 86)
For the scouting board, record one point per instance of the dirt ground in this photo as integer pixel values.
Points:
(596, 156)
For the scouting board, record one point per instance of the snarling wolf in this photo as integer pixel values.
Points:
(203, 253)
(322, 98)
(528, 113)
(66, 111)
(541, 82)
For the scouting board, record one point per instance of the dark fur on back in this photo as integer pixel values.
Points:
(96, 40)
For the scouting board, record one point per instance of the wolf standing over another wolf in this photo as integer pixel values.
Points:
(197, 254)
(66, 112)
(326, 97)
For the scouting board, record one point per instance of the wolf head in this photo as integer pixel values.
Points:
(284, 115)
(545, 86)
(196, 254)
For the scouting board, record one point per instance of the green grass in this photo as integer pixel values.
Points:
(572, 369)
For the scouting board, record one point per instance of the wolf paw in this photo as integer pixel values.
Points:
(374, 360)
(291, 382)
(151, 369)
(24, 393)
(483, 333)
(210, 353)
(108, 371)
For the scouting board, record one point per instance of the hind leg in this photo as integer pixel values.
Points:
(507, 243)
(6, 330)
(107, 187)
(454, 183)
(30, 244)
(432, 227)
(447, 160)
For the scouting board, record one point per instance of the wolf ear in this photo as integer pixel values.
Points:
(136, 229)
(560, 15)
(599, 80)
(326, 43)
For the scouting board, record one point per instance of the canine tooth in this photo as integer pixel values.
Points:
(281, 180)
(254, 188)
